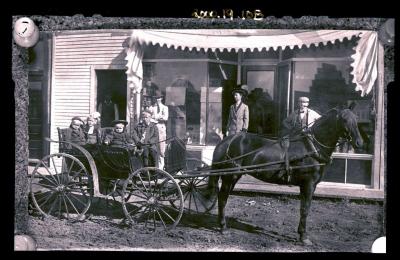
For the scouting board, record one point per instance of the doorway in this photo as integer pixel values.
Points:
(112, 83)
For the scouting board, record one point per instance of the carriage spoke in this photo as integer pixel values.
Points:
(195, 203)
(77, 173)
(201, 199)
(66, 207)
(140, 190)
(52, 205)
(59, 206)
(48, 198)
(167, 214)
(136, 195)
(45, 185)
(73, 196)
(70, 168)
(48, 195)
(136, 210)
(51, 174)
(44, 177)
(199, 180)
(154, 219)
(143, 183)
(161, 219)
(147, 216)
(55, 169)
(72, 205)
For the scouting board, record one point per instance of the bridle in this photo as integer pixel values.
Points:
(347, 136)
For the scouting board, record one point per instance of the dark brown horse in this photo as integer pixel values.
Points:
(246, 149)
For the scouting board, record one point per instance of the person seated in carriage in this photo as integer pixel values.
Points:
(92, 131)
(146, 137)
(75, 133)
(119, 137)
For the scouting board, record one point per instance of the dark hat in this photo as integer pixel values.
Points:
(77, 118)
(124, 122)
(158, 94)
(240, 90)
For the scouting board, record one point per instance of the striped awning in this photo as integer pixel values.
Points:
(255, 40)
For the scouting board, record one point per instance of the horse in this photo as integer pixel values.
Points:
(242, 150)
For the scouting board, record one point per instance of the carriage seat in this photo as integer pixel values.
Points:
(65, 147)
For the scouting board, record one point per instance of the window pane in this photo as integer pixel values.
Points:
(221, 79)
(335, 172)
(359, 171)
(181, 82)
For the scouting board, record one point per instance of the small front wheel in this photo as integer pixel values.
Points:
(148, 193)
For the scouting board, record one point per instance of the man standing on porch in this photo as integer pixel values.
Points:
(160, 117)
(238, 113)
(108, 110)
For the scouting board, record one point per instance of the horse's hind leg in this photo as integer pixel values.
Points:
(306, 193)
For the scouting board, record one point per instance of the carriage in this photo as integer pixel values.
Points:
(65, 183)
(150, 195)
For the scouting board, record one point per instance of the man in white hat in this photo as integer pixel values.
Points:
(302, 118)
(160, 118)
(298, 121)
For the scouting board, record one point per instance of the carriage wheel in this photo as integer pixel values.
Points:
(193, 189)
(64, 191)
(147, 196)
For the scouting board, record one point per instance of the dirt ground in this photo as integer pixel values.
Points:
(258, 223)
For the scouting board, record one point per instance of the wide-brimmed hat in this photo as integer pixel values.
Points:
(115, 122)
(158, 94)
(241, 90)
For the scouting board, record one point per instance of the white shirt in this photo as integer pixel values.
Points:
(160, 113)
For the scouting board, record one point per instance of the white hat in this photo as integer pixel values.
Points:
(304, 99)
(96, 115)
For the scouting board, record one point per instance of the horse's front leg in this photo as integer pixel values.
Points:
(222, 200)
(306, 193)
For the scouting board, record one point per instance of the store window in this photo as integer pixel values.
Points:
(328, 84)
(217, 99)
(181, 82)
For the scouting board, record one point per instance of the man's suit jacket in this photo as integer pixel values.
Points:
(238, 118)
(146, 134)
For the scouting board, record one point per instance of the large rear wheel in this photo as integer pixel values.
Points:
(60, 186)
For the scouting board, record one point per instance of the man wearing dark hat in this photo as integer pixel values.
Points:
(119, 137)
(160, 118)
(108, 110)
(75, 133)
(238, 113)
(146, 137)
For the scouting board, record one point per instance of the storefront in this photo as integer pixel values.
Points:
(197, 69)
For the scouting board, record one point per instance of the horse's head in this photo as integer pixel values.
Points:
(348, 123)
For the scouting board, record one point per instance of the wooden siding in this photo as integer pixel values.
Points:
(75, 56)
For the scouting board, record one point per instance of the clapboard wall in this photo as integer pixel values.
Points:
(76, 56)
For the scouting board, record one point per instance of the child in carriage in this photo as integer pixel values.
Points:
(146, 138)
(74, 133)
(119, 137)
(92, 131)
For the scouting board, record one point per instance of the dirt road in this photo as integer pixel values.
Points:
(257, 224)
